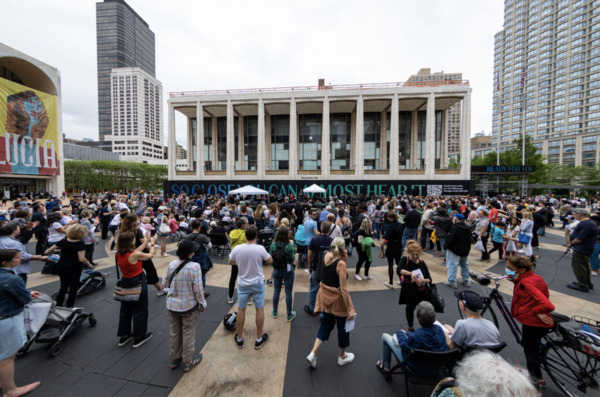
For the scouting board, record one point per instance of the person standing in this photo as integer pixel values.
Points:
(185, 301)
(86, 220)
(481, 230)
(14, 297)
(527, 229)
(249, 258)
(393, 239)
(531, 307)
(583, 241)
(70, 264)
(443, 223)
(412, 219)
(364, 241)
(105, 216)
(283, 253)
(320, 243)
(595, 258)
(415, 276)
(427, 228)
(201, 256)
(8, 241)
(333, 300)
(40, 231)
(458, 246)
(238, 237)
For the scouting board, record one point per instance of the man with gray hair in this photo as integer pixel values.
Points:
(583, 240)
(429, 337)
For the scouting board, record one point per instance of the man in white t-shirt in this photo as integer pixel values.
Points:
(123, 205)
(249, 258)
(474, 331)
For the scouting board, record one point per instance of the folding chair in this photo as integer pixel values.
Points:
(219, 243)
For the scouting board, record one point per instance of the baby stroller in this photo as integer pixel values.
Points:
(89, 281)
(46, 323)
(265, 237)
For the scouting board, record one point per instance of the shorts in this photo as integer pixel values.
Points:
(163, 234)
(256, 290)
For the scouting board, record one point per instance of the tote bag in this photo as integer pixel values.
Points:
(524, 239)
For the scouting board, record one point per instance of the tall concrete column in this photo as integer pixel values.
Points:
(199, 141)
(260, 158)
(414, 139)
(190, 157)
(215, 145)
(430, 138)
(230, 142)
(383, 152)
(444, 149)
(240, 147)
(394, 140)
(465, 138)
(172, 144)
(325, 141)
(360, 137)
(294, 155)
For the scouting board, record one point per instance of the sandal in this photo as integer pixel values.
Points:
(175, 363)
(386, 374)
(195, 361)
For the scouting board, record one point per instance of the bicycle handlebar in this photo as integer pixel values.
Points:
(496, 278)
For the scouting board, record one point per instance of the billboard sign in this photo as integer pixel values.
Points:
(28, 131)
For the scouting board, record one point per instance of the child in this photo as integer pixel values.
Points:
(511, 237)
(146, 226)
(498, 232)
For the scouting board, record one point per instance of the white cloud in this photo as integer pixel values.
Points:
(241, 44)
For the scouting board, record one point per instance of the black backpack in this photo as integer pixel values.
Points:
(320, 266)
(279, 257)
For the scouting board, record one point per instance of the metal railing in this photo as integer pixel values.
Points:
(369, 86)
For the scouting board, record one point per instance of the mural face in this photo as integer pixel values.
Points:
(30, 138)
(334, 188)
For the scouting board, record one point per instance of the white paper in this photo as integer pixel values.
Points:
(350, 324)
(446, 330)
(418, 273)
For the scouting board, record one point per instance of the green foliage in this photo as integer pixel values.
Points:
(581, 175)
(109, 175)
(514, 156)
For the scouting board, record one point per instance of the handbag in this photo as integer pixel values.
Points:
(524, 239)
(164, 228)
(435, 299)
(381, 254)
(126, 292)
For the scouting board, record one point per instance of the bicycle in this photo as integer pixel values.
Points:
(573, 365)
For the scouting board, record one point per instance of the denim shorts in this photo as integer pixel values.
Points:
(13, 336)
(256, 290)
(163, 234)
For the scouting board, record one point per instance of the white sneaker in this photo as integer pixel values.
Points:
(358, 277)
(368, 278)
(343, 361)
(391, 286)
(594, 273)
(306, 271)
(312, 360)
(230, 300)
(399, 282)
(162, 292)
(165, 255)
(251, 300)
(113, 252)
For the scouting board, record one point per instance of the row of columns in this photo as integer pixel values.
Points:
(358, 144)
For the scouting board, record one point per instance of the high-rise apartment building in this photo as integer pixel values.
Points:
(453, 114)
(123, 39)
(136, 122)
(547, 78)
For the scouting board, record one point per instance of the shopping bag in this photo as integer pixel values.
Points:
(35, 315)
(479, 246)
(524, 239)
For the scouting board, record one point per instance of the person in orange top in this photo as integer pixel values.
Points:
(130, 261)
(531, 307)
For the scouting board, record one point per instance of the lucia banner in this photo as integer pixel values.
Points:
(28, 131)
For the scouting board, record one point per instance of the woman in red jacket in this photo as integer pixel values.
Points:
(531, 307)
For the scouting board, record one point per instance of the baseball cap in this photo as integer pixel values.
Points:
(162, 207)
(471, 300)
(2, 212)
(459, 216)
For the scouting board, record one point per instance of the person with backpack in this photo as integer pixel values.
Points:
(316, 252)
(185, 301)
(283, 253)
(201, 255)
(361, 213)
(345, 224)
(363, 241)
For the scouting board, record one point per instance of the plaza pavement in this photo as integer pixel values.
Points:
(92, 364)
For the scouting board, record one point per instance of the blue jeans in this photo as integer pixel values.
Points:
(313, 290)
(278, 277)
(383, 227)
(453, 261)
(260, 225)
(328, 324)
(409, 234)
(594, 260)
(426, 235)
(376, 229)
(542, 231)
(387, 348)
(442, 242)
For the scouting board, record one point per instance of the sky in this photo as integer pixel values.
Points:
(203, 45)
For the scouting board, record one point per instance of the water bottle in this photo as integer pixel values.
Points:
(232, 318)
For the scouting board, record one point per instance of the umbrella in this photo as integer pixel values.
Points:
(314, 189)
(248, 190)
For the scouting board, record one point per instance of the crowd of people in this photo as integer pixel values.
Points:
(293, 233)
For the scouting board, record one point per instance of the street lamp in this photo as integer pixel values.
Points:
(555, 167)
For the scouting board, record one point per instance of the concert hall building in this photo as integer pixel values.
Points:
(388, 138)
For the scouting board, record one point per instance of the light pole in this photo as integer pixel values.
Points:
(552, 170)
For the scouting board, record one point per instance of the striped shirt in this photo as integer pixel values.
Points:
(187, 290)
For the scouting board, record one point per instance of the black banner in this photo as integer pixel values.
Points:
(498, 169)
(334, 188)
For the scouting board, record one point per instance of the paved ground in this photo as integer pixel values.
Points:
(92, 364)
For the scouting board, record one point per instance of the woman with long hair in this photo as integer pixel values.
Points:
(364, 254)
(272, 214)
(283, 270)
(130, 224)
(393, 239)
(527, 229)
(333, 300)
(70, 264)
(86, 220)
(345, 225)
(260, 217)
(512, 233)
(481, 229)
(56, 231)
(129, 259)
(160, 218)
(14, 297)
(415, 276)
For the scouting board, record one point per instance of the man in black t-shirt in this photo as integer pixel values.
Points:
(519, 209)
(287, 205)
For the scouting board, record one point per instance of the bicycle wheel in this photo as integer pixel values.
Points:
(487, 312)
(574, 372)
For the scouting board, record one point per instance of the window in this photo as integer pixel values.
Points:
(309, 136)
(280, 142)
(340, 136)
